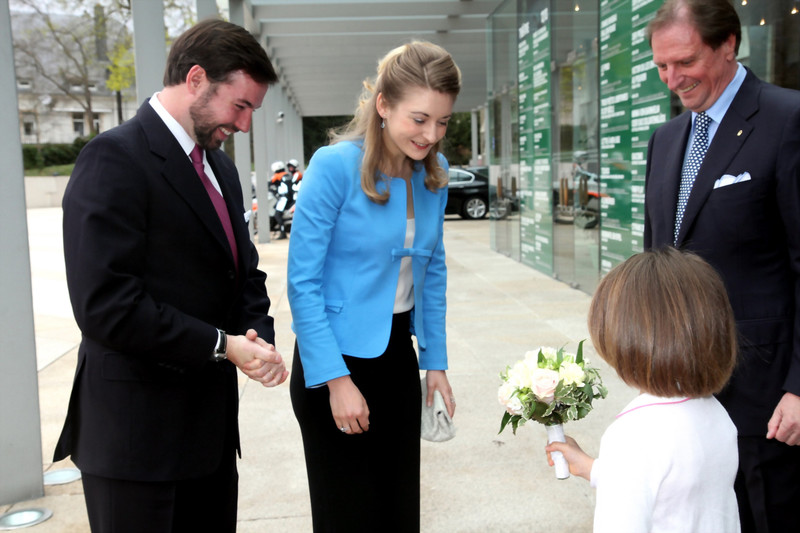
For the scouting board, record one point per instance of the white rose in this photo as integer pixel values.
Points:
(548, 352)
(514, 406)
(519, 375)
(572, 373)
(532, 355)
(505, 392)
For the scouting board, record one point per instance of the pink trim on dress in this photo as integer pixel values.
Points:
(651, 404)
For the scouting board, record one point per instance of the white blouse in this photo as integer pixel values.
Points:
(667, 465)
(404, 299)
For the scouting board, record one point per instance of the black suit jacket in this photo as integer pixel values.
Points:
(151, 276)
(749, 231)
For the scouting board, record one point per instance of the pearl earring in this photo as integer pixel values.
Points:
(383, 122)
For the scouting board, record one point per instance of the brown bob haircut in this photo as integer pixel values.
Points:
(714, 20)
(663, 321)
(221, 48)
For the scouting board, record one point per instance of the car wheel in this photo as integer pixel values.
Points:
(473, 208)
(499, 209)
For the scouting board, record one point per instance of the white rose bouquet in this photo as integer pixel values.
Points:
(551, 387)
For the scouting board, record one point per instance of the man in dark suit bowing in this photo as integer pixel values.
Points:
(723, 180)
(165, 288)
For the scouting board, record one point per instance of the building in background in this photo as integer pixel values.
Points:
(573, 98)
(62, 66)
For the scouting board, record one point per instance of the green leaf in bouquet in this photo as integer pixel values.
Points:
(572, 413)
(583, 410)
(504, 422)
(587, 389)
(579, 354)
(566, 400)
(544, 409)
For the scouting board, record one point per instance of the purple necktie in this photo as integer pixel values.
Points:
(216, 198)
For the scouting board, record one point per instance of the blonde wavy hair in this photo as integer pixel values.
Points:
(418, 64)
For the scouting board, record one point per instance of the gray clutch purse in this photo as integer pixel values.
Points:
(436, 424)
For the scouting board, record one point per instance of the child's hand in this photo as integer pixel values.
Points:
(580, 464)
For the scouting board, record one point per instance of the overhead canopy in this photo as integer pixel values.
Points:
(324, 49)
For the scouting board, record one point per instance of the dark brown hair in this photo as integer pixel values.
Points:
(418, 64)
(663, 321)
(714, 20)
(220, 48)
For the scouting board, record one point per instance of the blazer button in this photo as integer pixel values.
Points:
(231, 275)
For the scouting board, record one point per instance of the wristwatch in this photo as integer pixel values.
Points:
(221, 349)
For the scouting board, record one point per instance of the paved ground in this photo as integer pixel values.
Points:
(478, 482)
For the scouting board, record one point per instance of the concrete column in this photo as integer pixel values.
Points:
(262, 173)
(276, 140)
(206, 9)
(20, 431)
(475, 136)
(298, 145)
(241, 148)
(150, 47)
(270, 108)
(241, 154)
(292, 131)
(241, 12)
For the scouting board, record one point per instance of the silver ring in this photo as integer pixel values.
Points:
(344, 429)
(452, 400)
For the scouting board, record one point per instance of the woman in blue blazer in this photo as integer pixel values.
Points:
(366, 272)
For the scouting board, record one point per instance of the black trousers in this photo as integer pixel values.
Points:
(768, 486)
(187, 506)
(367, 482)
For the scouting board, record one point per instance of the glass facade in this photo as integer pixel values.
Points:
(573, 99)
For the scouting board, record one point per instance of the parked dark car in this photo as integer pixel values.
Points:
(468, 193)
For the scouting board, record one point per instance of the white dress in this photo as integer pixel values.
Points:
(667, 465)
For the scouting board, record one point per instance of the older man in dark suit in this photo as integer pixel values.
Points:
(165, 288)
(723, 180)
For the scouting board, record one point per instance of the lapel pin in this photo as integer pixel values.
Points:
(739, 134)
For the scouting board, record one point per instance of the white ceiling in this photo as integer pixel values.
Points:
(324, 49)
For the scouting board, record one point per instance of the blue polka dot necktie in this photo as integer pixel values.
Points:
(696, 155)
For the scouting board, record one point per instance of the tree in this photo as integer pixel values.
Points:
(316, 129)
(65, 43)
(457, 145)
(121, 70)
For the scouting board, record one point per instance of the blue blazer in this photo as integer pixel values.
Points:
(344, 264)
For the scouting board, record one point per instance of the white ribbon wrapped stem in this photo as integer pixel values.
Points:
(555, 433)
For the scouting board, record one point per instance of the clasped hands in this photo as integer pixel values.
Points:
(257, 359)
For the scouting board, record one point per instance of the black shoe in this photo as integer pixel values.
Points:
(281, 236)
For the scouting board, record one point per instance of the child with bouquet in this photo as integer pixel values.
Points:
(663, 321)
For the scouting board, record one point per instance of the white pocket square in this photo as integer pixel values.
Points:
(728, 179)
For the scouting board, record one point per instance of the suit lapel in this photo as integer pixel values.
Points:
(234, 205)
(178, 171)
(673, 165)
(728, 140)
(665, 159)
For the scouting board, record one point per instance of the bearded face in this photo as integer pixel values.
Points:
(209, 131)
